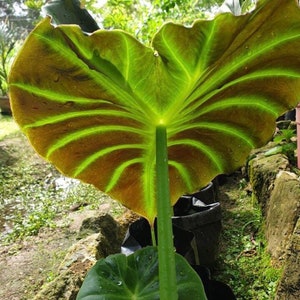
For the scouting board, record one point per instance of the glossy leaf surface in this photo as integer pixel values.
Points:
(91, 104)
(136, 277)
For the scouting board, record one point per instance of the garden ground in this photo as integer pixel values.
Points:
(39, 223)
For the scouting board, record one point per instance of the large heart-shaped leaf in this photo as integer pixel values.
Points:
(136, 277)
(91, 103)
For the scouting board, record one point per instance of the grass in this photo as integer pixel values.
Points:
(244, 263)
(33, 194)
(7, 127)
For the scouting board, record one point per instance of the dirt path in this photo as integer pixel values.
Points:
(25, 265)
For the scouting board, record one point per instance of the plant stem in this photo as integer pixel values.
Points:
(166, 256)
(153, 238)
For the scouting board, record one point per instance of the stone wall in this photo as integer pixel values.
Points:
(277, 190)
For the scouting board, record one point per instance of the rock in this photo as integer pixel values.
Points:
(76, 217)
(103, 223)
(125, 220)
(82, 256)
(289, 286)
(277, 190)
(283, 213)
(262, 172)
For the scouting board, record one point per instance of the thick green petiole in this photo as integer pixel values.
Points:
(166, 256)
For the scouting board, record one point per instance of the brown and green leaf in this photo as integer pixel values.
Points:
(90, 104)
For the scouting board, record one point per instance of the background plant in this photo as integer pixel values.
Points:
(286, 143)
(8, 40)
(33, 195)
(17, 18)
(23, 14)
(143, 18)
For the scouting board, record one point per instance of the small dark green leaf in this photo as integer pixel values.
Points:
(136, 277)
(285, 135)
(70, 12)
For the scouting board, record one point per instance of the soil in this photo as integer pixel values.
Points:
(27, 265)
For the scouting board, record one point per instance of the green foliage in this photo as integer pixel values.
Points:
(25, 216)
(285, 135)
(8, 47)
(247, 5)
(33, 194)
(286, 143)
(143, 18)
(22, 14)
(35, 4)
(7, 7)
(136, 277)
(31, 205)
(244, 262)
(37, 217)
(238, 7)
(33, 10)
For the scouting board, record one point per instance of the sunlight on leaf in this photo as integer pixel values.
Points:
(90, 104)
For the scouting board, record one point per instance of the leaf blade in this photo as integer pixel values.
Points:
(136, 277)
(217, 87)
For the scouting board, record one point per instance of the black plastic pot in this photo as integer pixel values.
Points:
(209, 193)
(139, 235)
(196, 228)
(214, 289)
(186, 204)
(200, 214)
(206, 226)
